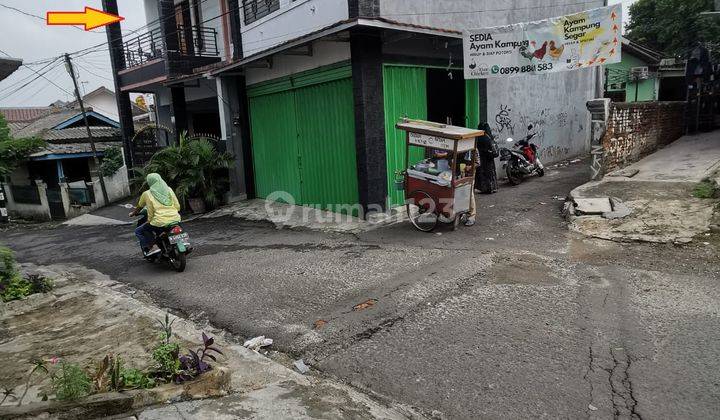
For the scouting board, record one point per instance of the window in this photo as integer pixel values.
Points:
(258, 9)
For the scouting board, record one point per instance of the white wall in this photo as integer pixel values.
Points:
(209, 10)
(104, 104)
(324, 53)
(554, 103)
(293, 20)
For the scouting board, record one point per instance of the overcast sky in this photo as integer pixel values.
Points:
(31, 40)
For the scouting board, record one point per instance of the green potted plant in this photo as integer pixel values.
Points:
(195, 170)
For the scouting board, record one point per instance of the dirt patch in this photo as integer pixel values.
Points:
(529, 270)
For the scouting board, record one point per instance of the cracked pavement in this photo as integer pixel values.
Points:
(515, 317)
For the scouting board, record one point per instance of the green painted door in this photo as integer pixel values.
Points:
(326, 140)
(303, 139)
(472, 103)
(275, 144)
(405, 91)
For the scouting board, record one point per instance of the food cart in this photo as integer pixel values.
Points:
(438, 189)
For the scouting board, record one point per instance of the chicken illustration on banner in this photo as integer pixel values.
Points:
(571, 42)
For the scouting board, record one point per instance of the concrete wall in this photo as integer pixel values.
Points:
(324, 53)
(28, 211)
(104, 104)
(554, 103)
(647, 90)
(294, 19)
(637, 129)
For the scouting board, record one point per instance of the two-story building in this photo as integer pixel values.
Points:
(306, 93)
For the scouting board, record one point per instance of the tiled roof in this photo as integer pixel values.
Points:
(28, 114)
(16, 126)
(80, 133)
(72, 148)
(36, 128)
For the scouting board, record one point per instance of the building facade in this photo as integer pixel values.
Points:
(306, 93)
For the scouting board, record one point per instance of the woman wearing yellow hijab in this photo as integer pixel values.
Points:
(163, 209)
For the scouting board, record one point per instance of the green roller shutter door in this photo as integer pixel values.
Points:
(304, 138)
(274, 144)
(405, 91)
(326, 127)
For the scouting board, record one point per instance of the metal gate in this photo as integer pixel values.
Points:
(55, 203)
(303, 138)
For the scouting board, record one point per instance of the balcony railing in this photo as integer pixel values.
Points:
(192, 41)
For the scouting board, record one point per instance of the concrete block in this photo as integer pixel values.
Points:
(591, 206)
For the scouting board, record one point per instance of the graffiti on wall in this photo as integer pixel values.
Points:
(503, 120)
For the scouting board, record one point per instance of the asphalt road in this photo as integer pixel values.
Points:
(513, 318)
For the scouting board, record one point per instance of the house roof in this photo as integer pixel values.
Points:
(8, 66)
(61, 120)
(642, 52)
(80, 133)
(70, 149)
(25, 114)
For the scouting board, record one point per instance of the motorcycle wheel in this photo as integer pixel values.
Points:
(178, 261)
(514, 176)
(421, 218)
(541, 172)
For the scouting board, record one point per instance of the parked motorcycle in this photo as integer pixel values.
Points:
(174, 244)
(521, 160)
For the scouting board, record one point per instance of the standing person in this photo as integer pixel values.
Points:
(486, 176)
(163, 209)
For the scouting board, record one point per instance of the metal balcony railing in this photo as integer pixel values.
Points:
(192, 41)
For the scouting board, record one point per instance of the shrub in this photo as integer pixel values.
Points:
(706, 189)
(112, 161)
(194, 169)
(71, 382)
(167, 360)
(12, 285)
(135, 379)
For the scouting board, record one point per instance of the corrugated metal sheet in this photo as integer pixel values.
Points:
(405, 91)
(326, 126)
(274, 144)
(304, 139)
(306, 78)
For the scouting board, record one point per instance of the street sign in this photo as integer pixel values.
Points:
(581, 40)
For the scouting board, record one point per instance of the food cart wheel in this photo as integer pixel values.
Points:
(422, 216)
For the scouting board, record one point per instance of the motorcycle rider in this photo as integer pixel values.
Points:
(162, 208)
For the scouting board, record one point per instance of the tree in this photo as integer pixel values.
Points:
(13, 151)
(674, 27)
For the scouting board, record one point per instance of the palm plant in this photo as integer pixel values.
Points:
(193, 168)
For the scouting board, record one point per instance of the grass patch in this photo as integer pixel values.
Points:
(707, 188)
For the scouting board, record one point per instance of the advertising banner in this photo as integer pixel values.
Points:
(571, 42)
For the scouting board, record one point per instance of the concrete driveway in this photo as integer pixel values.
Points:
(513, 318)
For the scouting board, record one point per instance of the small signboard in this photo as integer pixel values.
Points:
(441, 143)
(581, 40)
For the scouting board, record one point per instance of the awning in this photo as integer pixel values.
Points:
(339, 27)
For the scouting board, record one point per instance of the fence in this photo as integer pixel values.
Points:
(637, 129)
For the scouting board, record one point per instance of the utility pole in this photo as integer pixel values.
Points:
(71, 70)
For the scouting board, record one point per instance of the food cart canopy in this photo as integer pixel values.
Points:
(452, 132)
(8, 66)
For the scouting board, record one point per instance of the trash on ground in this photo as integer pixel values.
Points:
(301, 366)
(592, 407)
(576, 161)
(367, 304)
(320, 323)
(258, 342)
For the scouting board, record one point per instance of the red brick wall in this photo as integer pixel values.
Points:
(639, 128)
